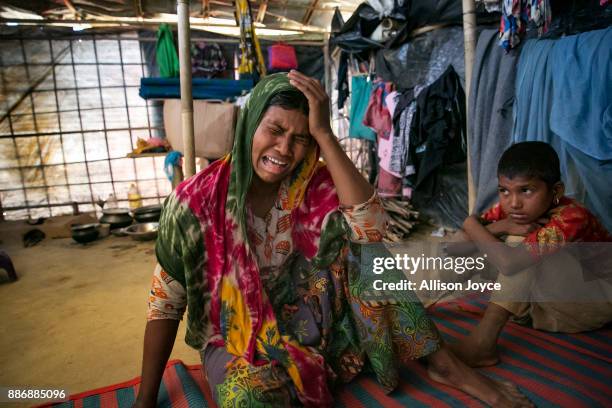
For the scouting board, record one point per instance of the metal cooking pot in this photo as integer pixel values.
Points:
(150, 213)
(148, 209)
(116, 217)
(84, 233)
(147, 217)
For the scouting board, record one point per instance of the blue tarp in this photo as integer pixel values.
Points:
(564, 97)
(164, 88)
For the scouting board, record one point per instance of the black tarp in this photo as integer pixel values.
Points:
(354, 35)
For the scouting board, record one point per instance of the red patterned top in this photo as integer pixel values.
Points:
(569, 221)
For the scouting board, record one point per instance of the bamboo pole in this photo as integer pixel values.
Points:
(469, 39)
(327, 67)
(182, 7)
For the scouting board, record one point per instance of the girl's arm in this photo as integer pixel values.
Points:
(462, 245)
(508, 260)
(350, 185)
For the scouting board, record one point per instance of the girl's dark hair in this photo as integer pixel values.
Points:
(291, 99)
(530, 159)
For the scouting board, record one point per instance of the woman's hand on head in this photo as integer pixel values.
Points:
(318, 104)
(351, 187)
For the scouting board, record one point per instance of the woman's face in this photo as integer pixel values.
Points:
(280, 143)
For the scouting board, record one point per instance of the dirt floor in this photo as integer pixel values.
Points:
(75, 319)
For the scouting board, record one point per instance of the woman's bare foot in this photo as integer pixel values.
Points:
(474, 353)
(446, 368)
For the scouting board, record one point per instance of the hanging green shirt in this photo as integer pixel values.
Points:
(167, 58)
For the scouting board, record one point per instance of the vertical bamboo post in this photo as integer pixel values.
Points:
(327, 67)
(182, 7)
(469, 40)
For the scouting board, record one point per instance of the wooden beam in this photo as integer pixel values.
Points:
(309, 12)
(206, 8)
(282, 4)
(261, 12)
(133, 22)
(138, 8)
(73, 10)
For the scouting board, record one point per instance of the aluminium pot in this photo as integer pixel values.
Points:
(150, 213)
(116, 217)
(84, 233)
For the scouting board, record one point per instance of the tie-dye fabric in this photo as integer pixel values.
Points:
(203, 244)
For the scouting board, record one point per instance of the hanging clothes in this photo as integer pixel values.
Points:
(397, 149)
(437, 132)
(385, 145)
(515, 16)
(166, 56)
(207, 60)
(377, 115)
(361, 89)
(583, 73)
(378, 118)
(574, 71)
(388, 186)
(412, 67)
(342, 81)
(490, 114)
(402, 119)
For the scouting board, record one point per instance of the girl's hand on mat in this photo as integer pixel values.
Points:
(318, 104)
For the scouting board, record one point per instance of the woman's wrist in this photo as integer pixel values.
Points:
(325, 140)
(144, 400)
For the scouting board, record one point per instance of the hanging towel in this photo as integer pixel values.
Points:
(166, 56)
(361, 89)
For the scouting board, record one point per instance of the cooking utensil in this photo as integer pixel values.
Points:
(142, 232)
(116, 217)
(85, 233)
(148, 208)
(150, 213)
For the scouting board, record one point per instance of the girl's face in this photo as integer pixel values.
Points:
(526, 199)
(280, 143)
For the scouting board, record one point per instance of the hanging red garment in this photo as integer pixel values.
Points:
(377, 116)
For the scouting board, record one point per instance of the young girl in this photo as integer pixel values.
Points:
(532, 207)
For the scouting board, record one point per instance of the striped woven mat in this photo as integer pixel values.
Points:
(551, 369)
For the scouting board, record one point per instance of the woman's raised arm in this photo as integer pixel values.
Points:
(351, 187)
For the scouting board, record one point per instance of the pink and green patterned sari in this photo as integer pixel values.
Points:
(295, 333)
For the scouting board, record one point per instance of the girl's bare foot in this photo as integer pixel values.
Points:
(446, 368)
(474, 353)
(479, 348)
